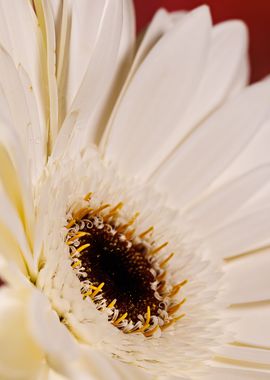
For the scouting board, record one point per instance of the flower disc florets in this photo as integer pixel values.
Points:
(114, 265)
(120, 271)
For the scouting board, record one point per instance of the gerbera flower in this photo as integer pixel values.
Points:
(133, 206)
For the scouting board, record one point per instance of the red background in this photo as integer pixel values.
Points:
(256, 14)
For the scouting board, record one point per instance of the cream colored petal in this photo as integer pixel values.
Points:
(239, 352)
(56, 341)
(93, 92)
(21, 37)
(46, 22)
(251, 325)
(247, 279)
(15, 177)
(227, 55)
(95, 365)
(220, 206)
(20, 357)
(12, 225)
(159, 92)
(214, 145)
(256, 153)
(249, 233)
(231, 372)
(81, 44)
(16, 90)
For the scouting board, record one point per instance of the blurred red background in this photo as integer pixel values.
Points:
(256, 14)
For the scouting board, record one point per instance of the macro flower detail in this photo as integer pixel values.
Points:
(134, 196)
(135, 292)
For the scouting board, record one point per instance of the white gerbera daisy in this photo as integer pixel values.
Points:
(133, 203)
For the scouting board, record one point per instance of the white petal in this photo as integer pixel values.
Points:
(15, 174)
(247, 279)
(252, 324)
(227, 52)
(249, 233)
(93, 94)
(46, 21)
(96, 365)
(54, 338)
(162, 22)
(20, 356)
(241, 353)
(159, 92)
(12, 224)
(220, 206)
(214, 145)
(256, 153)
(21, 37)
(16, 95)
(230, 373)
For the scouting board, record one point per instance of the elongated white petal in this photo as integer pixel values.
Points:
(251, 326)
(83, 43)
(159, 92)
(15, 95)
(22, 39)
(15, 176)
(248, 278)
(246, 234)
(97, 365)
(227, 52)
(94, 90)
(11, 222)
(234, 372)
(214, 145)
(46, 21)
(256, 153)
(52, 336)
(162, 22)
(220, 206)
(20, 356)
(254, 355)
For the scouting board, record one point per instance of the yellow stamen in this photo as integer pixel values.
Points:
(172, 321)
(179, 317)
(120, 319)
(88, 293)
(98, 289)
(93, 287)
(146, 232)
(83, 247)
(76, 264)
(101, 208)
(156, 250)
(151, 332)
(128, 224)
(174, 308)
(71, 223)
(161, 285)
(130, 233)
(111, 305)
(177, 287)
(115, 209)
(161, 276)
(77, 236)
(82, 213)
(146, 324)
(88, 197)
(164, 262)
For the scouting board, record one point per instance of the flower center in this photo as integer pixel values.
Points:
(120, 271)
(2, 282)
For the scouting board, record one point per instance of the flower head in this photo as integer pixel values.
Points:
(129, 185)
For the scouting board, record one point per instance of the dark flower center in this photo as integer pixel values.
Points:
(123, 273)
(122, 266)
